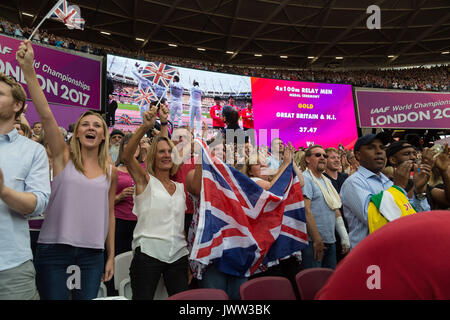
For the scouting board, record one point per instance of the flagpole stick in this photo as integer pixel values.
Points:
(165, 91)
(36, 29)
(46, 17)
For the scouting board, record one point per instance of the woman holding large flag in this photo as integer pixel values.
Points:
(159, 243)
(80, 214)
(231, 264)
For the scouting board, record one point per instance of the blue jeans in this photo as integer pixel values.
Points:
(52, 271)
(213, 278)
(328, 260)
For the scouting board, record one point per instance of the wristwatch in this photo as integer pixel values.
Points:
(421, 196)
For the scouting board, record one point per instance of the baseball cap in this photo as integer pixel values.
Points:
(116, 131)
(396, 146)
(384, 136)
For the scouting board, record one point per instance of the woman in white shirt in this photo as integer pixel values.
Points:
(159, 242)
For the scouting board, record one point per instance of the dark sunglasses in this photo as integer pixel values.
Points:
(318, 155)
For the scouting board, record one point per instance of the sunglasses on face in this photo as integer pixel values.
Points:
(318, 155)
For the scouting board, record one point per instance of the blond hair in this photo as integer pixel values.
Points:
(151, 156)
(17, 91)
(299, 159)
(103, 149)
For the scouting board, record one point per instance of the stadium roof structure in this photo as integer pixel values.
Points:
(282, 34)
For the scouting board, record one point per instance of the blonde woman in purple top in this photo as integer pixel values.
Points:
(80, 214)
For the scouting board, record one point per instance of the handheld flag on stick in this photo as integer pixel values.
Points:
(66, 13)
(160, 74)
(143, 97)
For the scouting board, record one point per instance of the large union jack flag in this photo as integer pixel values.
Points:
(243, 228)
(159, 73)
(143, 97)
(69, 15)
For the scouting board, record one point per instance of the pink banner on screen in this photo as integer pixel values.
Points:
(305, 112)
(66, 79)
(403, 109)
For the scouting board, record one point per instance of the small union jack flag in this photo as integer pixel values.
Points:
(125, 119)
(159, 73)
(143, 97)
(242, 228)
(69, 15)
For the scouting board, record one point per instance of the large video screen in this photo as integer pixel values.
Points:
(305, 113)
(302, 113)
(131, 87)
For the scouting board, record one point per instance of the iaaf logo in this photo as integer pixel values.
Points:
(5, 50)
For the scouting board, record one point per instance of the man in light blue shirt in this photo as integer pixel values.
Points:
(322, 205)
(367, 181)
(24, 192)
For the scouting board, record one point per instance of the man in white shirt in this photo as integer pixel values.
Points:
(176, 103)
(196, 107)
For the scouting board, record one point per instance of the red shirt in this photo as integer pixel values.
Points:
(180, 176)
(216, 114)
(247, 118)
(411, 256)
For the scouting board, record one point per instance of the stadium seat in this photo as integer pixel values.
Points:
(310, 281)
(122, 277)
(102, 292)
(122, 264)
(125, 289)
(200, 294)
(267, 288)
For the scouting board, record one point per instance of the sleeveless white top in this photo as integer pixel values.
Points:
(160, 226)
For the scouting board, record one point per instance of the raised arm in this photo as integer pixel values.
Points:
(59, 149)
(194, 177)
(299, 174)
(139, 176)
(163, 117)
(288, 155)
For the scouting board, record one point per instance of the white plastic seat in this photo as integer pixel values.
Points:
(102, 292)
(122, 264)
(160, 292)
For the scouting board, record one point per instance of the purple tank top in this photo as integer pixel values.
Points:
(77, 213)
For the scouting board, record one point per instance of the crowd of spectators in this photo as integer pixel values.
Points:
(417, 78)
(145, 192)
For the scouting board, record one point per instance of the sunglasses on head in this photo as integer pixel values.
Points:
(318, 155)
(12, 78)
